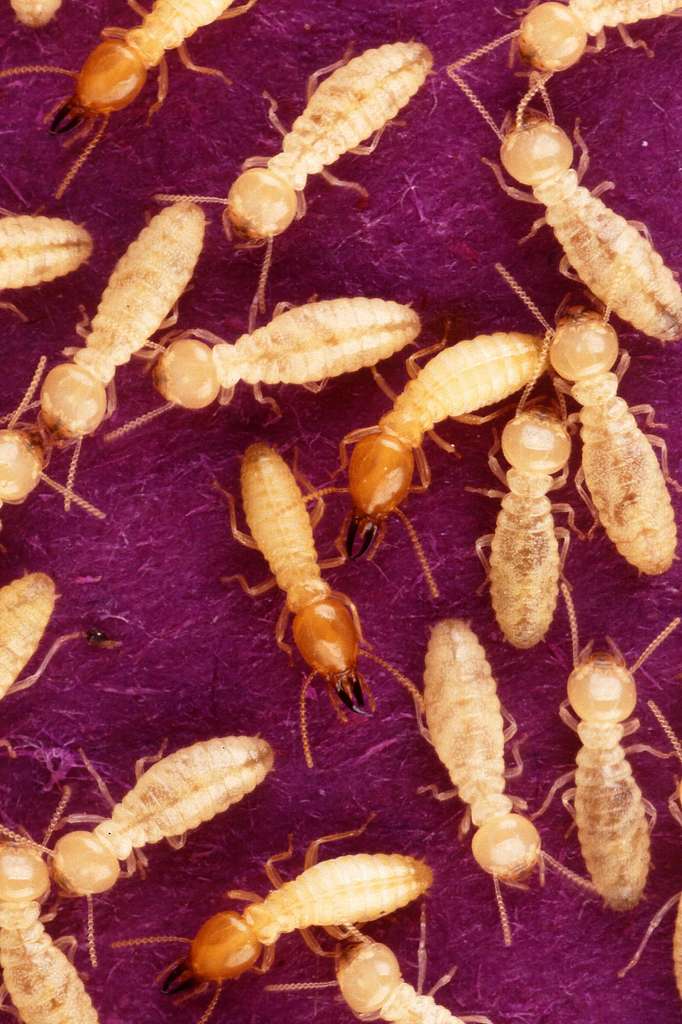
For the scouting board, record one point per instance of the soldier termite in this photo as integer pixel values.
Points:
(465, 726)
(613, 257)
(358, 99)
(609, 811)
(330, 894)
(38, 249)
(35, 13)
(326, 627)
(305, 345)
(115, 72)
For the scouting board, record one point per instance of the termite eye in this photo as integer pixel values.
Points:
(260, 204)
(82, 865)
(583, 346)
(536, 442)
(23, 875)
(507, 846)
(602, 690)
(73, 403)
(367, 975)
(67, 118)
(110, 79)
(224, 948)
(21, 464)
(185, 374)
(379, 475)
(363, 529)
(552, 38)
(537, 151)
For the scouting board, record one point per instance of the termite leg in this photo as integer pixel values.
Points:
(313, 944)
(445, 446)
(441, 796)
(567, 717)
(14, 309)
(560, 480)
(99, 781)
(243, 896)
(150, 759)
(514, 193)
(599, 43)
(584, 162)
(267, 400)
(631, 727)
(316, 386)
(28, 681)
(314, 79)
(266, 963)
(239, 535)
(256, 591)
(484, 542)
(658, 442)
(313, 851)
(517, 770)
(640, 226)
(349, 439)
(512, 725)
(554, 789)
(183, 54)
(424, 471)
(271, 871)
(674, 808)
(583, 494)
(536, 226)
(634, 44)
(280, 631)
(602, 187)
(569, 512)
(139, 10)
(645, 748)
(650, 421)
(486, 493)
(465, 824)
(412, 362)
(272, 114)
(567, 798)
(655, 921)
(383, 384)
(651, 813)
(331, 179)
(567, 271)
(161, 89)
(564, 538)
(369, 148)
(236, 12)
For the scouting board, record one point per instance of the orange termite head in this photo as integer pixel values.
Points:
(536, 151)
(601, 688)
(552, 37)
(379, 478)
(224, 948)
(327, 638)
(112, 76)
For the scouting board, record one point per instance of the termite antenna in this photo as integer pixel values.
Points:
(573, 623)
(37, 69)
(258, 301)
(75, 498)
(28, 681)
(655, 921)
(402, 679)
(92, 946)
(419, 552)
(149, 940)
(139, 421)
(483, 50)
(208, 1013)
(667, 728)
(301, 986)
(571, 876)
(29, 393)
(305, 737)
(475, 102)
(71, 475)
(167, 197)
(81, 159)
(523, 295)
(538, 85)
(56, 818)
(502, 911)
(661, 638)
(16, 837)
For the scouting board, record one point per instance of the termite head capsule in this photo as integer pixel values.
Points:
(73, 403)
(112, 76)
(536, 151)
(260, 204)
(367, 974)
(379, 478)
(507, 846)
(583, 345)
(602, 689)
(185, 374)
(83, 866)
(327, 638)
(552, 38)
(21, 463)
(536, 442)
(224, 948)
(24, 877)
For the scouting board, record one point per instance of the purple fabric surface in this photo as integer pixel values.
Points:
(199, 660)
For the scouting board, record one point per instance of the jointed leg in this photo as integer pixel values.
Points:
(272, 114)
(514, 193)
(634, 44)
(650, 421)
(412, 362)
(536, 226)
(554, 789)
(267, 400)
(445, 446)
(331, 179)
(567, 717)
(442, 796)
(256, 591)
(584, 162)
(349, 439)
(484, 542)
(239, 535)
(569, 512)
(368, 149)
(150, 759)
(313, 851)
(423, 470)
(564, 537)
(383, 384)
(512, 725)
(280, 631)
(183, 54)
(161, 89)
(314, 79)
(658, 442)
(14, 309)
(567, 271)
(599, 43)
(584, 496)
(271, 871)
(316, 386)
(493, 462)
(235, 12)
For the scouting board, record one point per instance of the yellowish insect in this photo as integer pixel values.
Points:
(326, 627)
(38, 249)
(35, 13)
(610, 812)
(342, 891)
(525, 563)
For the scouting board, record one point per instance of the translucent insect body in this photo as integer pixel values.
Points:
(38, 249)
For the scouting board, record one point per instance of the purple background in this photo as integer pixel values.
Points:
(199, 660)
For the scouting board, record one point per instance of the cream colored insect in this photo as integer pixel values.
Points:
(305, 345)
(35, 13)
(342, 891)
(38, 249)
(613, 257)
(42, 983)
(610, 812)
(525, 563)
(326, 627)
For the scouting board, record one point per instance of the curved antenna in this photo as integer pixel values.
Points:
(92, 946)
(561, 869)
(538, 86)
(37, 69)
(149, 940)
(139, 421)
(71, 475)
(667, 728)
(475, 102)
(208, 1012)
(305, 737)
(549, 331)
(16, 837)
(419, 552)
(57, 816)
(655, 921)
(167, 197)
(483, 50)
(656, 642)
(258, 302)
(80, 160)
(573, 622)
(502, 911)
(397, 674)
(75, 498)
(28, 394)
(28, 681)
(301, 986)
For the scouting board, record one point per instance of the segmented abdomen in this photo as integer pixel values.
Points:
(612, 826)
(278, 518)
(464, 717)
(524, 569)
(406, 1006)
(462, 379)
(26, 605)
(185, 789)
(316, 341)
(345, 890)
(628, 487)
(354, 102)
(43, 984)
(169, 23)
(35, 13)
(614, 260)
(37, 249)
(145, 285)
(598, 14)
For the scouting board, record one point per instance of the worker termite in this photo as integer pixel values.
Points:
(358, 99)
(609, 811)
(115, 72)
(35, 13)
(613, 257)
(330, 894)
(326, 627)
(38, 249)
(305, 345)
(525, 563)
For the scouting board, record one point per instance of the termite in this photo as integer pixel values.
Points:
(331, 894)
(609, 810)
(35, 13)
(38, 249)
(326, 626)
(358, 99)
(613, 257)
(114, 73)
(305, 345)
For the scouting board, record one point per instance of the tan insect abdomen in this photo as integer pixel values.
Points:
(346, 890)
(37, 249)
(464, 718)
(612, 826)
(35, 13)
(146, 283)
(524, 569)
(185, 789)
(613, 259)
(461, 379)
(26, 605)
(169, 23)
(320, 340)
(677, 948)
(349, 106)
(43, 984)
(598, 14)
(627, 485)
(406, 1006)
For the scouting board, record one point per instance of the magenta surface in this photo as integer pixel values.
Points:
(198, 659)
